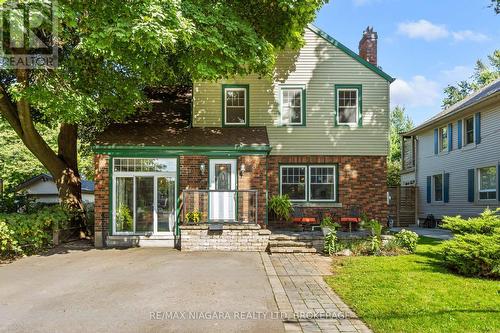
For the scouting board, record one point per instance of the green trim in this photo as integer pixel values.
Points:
(359, 88)
(178, 207)
(223, 104)
(303, 107)
(163, 151)
(350, 53)
(307, 166)
(111, 198)
(267, 191)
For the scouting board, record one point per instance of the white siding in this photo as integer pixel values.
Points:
(456, 163)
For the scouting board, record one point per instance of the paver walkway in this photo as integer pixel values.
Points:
(307, 302)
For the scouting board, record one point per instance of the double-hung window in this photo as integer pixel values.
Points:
(487, 183)
(292, 105)
(469, 130)
(443, 139)
(309, 182)
(437, 181)
(293, 182)
(348, 105)
(235, 111)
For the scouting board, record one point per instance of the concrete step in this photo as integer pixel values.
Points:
(289, 243)
(284, 249)
(282, 237)
(298, 237)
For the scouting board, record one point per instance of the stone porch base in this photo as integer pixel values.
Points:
(236, 237)
(142, 241)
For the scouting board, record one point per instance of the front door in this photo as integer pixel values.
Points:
(223, 179)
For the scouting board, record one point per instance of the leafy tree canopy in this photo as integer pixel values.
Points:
(483, 75)
(400, 123)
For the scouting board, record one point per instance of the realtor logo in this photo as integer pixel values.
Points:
(28, 34)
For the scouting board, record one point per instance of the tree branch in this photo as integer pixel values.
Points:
(8, 110)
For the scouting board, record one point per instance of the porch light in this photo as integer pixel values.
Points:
(242, 169)
(202, 168)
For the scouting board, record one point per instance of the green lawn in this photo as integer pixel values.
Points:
(413, 293)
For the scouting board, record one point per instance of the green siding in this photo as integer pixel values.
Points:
(319, 66)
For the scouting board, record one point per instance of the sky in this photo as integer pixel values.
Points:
(424, 44)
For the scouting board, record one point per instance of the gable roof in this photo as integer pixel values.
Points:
(350, 53)
(87, 185)
(473, 99)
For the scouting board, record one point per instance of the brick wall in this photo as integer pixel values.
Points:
(362, 182)
(101, 194)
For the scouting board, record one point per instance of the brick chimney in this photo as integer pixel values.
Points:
(368, 46)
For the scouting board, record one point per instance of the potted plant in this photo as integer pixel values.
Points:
(328, 225)
(193, 217)
(281, 206)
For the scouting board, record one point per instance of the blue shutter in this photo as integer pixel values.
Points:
(446, 194)
(470, 185)
(450, 137)
(436, 141)
(429, 196)
(459, 134)
(477, 129)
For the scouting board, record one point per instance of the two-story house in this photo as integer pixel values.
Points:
(454, 157)
(317, 130)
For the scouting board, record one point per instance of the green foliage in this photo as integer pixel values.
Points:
(473, 254)
(415, 294)
(475, 249)
(281, 206)
(124, 220)
(30, 233)
(483, 75)
(487, 223)
(331, 245)
(495, 4)
(328, 222)
(376, 239)
(194, 217)
(407, 239)
(400, 122)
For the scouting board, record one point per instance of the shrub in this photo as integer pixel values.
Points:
(473, 255)
(30, 233)
(328, 222)
(487, 223)
(376, 240)
(281, 206)
(407, 239)
(330, 244)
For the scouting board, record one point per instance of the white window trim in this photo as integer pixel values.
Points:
(302, 107)
(434, 188)
(338, 106)
(334, 182)
(305, 180)
(464, 132)
(478, 175)
(440, 139)
(246, 106)
(133, 175)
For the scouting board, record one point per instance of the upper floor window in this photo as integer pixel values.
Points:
(235, 105)
(348, 105)
(443, 138)
(437, 181)
(487, 183)
(292, 105)
(469, 130)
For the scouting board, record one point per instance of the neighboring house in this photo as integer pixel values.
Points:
(317, 131)
(454, 157)
(43, 189)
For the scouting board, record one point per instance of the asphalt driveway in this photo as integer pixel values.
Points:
(137, 290)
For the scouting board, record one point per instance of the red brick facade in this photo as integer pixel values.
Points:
(101, 195)
(362, 182)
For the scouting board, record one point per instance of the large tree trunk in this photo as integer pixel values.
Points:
(63, 166)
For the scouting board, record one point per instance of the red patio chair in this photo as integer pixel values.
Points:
(354, 217)
(299, 218)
